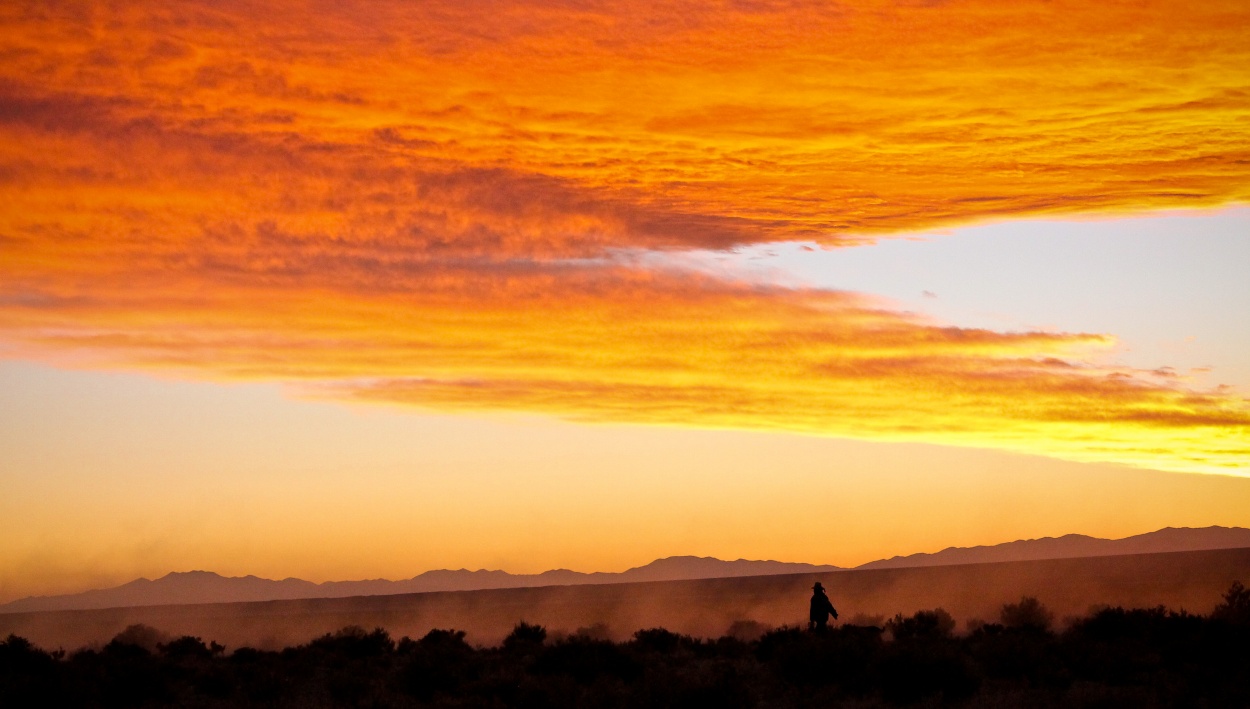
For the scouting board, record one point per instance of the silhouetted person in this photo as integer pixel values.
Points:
(821, 609)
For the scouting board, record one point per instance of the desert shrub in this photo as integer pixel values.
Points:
(1028, 614)
(525, 638)
(934, 624)
(139, 635)
(354, 642)
(1015, 655)
(188, 648)
(1122, 647)
(30, 677)
(1236, 606)
(442, 640)
(122, 674)
(659, 640)
(440, 662)
(843, 656)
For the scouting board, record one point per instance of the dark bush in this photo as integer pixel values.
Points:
(440, 662)
(140, 635)
(189, 648)
(933, 625)
(841, 656)
(30, 677)
(659, 640)
(1236, 606)
(355, 642)
(525, 638)
(1028, 614)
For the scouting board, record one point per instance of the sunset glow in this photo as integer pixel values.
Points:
(488, 207)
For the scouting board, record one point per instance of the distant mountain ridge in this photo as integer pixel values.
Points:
(1071, 546)
(189, 587)
(207, 587)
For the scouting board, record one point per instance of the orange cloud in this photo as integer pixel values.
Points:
(610, 343)
(640, 124)
(427, 203)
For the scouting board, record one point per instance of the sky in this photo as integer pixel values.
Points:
(335, 290)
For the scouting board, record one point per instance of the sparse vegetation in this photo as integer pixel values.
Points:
(1236, 605)
(1028, 614)
(1113, 657)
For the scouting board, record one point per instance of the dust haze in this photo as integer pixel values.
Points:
(1192, 581)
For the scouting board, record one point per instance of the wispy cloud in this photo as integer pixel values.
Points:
(611, 343)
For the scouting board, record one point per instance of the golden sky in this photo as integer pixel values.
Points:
(480, 206)
(436, 203)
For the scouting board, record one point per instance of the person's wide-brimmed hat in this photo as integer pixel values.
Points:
(818, 587)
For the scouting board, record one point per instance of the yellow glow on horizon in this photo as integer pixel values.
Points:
(237, 479)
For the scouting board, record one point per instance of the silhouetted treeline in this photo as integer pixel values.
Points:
(1112, 658)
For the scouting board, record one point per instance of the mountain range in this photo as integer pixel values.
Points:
(208, 587)
(1072, 546)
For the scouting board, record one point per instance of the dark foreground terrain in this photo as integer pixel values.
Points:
(1191, 581)
(1111, 658)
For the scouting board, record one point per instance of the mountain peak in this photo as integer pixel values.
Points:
(194, 574)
